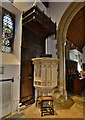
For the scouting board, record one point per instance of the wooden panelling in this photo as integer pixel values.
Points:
(46, 4)
(83, 66)
(38, 22)
(71, 67)
(76, 29)
(31, 47)
(79, 86)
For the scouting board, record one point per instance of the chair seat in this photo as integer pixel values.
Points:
(46, 104)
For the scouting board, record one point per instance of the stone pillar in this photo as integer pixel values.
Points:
(61, 56)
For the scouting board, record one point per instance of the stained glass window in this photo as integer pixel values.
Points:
(7, 33)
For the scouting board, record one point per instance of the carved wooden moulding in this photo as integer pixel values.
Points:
(38, 22)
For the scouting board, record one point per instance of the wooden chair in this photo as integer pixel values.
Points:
(46, 103)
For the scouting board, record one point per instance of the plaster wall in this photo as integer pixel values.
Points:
(51, 46)
(11, 63)
(12, 71)
(24, 5)
(77, 56)
(55, 11)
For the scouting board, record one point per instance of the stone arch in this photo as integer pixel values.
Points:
(64, 23)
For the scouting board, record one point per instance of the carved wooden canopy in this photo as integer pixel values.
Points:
(38, 22)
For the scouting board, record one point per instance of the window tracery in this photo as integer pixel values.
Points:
(7, 33)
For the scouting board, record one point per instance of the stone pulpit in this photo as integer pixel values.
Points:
(45, 75)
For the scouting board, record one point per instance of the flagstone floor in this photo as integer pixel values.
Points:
(73, 107)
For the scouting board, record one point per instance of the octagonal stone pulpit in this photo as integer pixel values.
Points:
(45, 75)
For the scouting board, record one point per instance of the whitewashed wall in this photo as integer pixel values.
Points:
(11, 62)
(77, 56)
(12, 71)
(51, 46)
(24, 5)
(55, 11)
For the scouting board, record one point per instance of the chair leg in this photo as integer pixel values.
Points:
(36, 103)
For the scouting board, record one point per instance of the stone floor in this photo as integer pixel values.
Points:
(73, 107)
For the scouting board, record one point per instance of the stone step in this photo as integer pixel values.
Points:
(57, 94)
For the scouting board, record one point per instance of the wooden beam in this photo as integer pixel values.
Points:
(46, 4)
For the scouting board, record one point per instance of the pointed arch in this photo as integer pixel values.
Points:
(67, 17)
(64, 23)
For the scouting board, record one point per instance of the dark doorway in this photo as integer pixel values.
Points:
(71, 67)
(32, 47)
